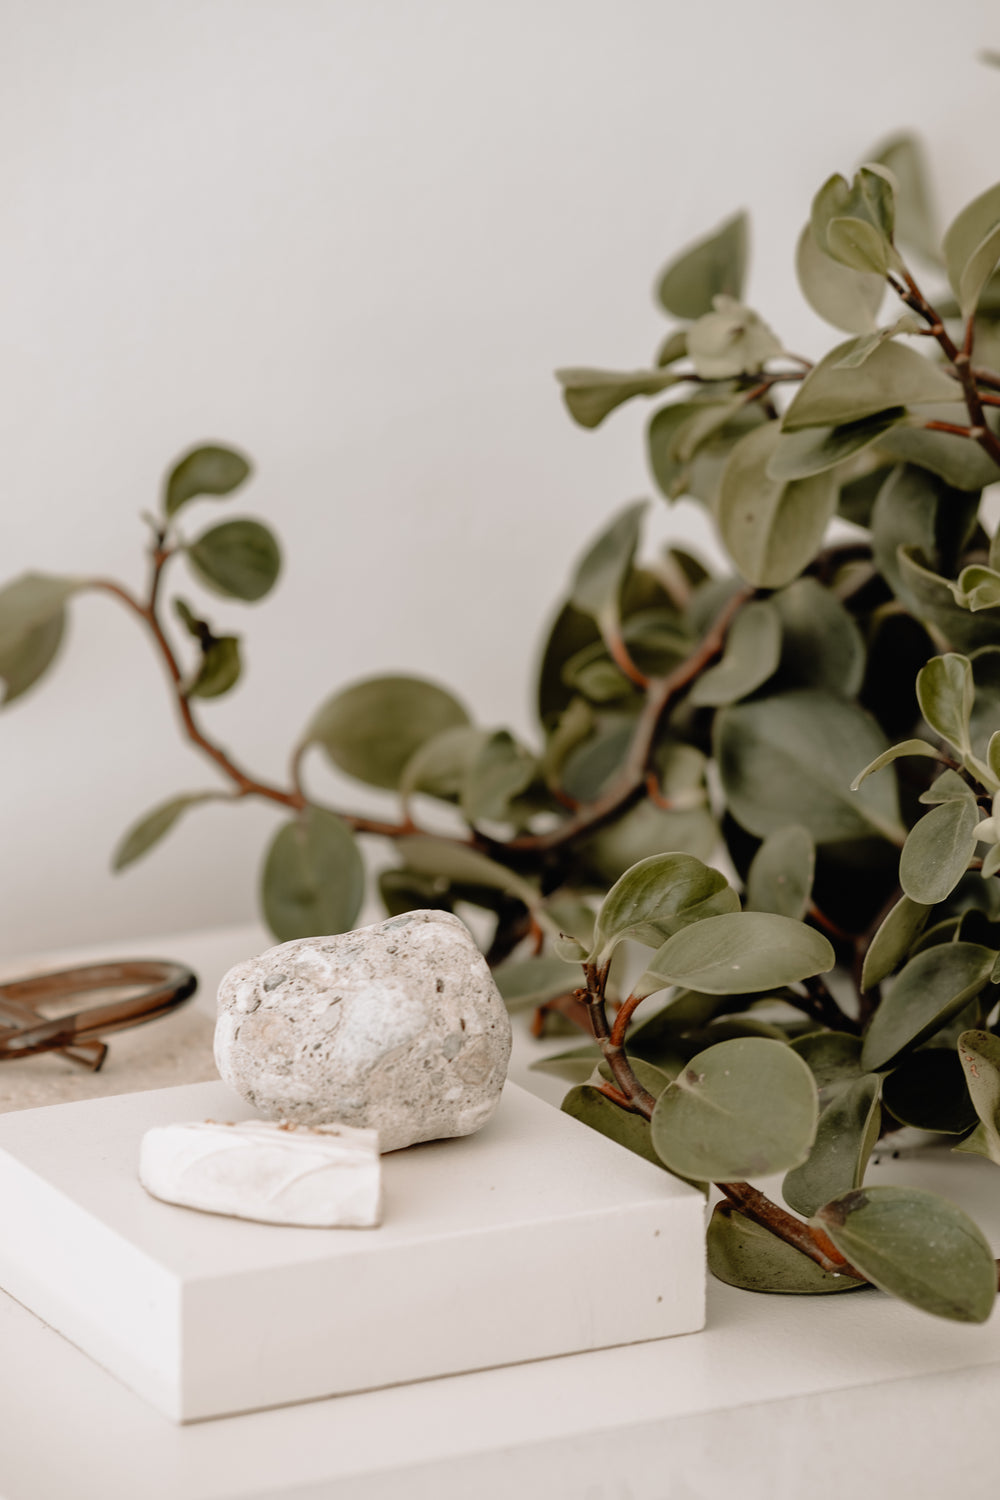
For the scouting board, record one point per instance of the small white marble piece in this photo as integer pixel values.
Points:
(397, 1027)
(278, 1173)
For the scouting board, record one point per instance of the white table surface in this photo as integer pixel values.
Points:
(814, 1396)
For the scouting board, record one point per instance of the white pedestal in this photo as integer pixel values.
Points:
(536, 1237)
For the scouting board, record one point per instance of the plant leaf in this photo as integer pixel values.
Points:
(28, 603)
(781, 874)
(771, 528)
(656, 898)
(916, 1246)
(833, 1058)
(689, 443)
(240, 559)
(979, 1055)
(741, 1109)
(933, 987)
(916, 222)
(894, 375)
(738, 953)
(821, 645)
(954, 459)
(938, 849)
(864, 346)
(854, 223)
(588, 1105)
(527, 982)
(717, 264)
(208, 470)
(972, 248)
(219, 670)
(498, 771)
(845, 1137)
(814, 450)
(576, 1066)
(893, 940)
(848, 299)
(456, 862)
(604, 567)
(895, 752)
(591, 395)
(751, 655)
(730, 340)
(440, 765)
(977, 588)
(790, 759)
(152, 827)
(26, 658)
(945, 692)
(373, 727)
(744, 1254)
(313, 881)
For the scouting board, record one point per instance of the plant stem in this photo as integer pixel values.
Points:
(629, 785)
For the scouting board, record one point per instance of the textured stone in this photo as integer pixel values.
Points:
(397, 1027)
(329, 1176)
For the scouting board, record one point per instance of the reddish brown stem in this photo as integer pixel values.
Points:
(663, 692)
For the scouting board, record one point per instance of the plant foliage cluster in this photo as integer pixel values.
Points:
(825, 716)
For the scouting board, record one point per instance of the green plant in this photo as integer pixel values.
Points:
(827, 716)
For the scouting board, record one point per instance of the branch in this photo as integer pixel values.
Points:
(663, 692)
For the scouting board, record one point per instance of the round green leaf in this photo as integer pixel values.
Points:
(813, 450)
(738, 953)
(916, 1246)
(604, 567)
(740, 1109)
(848, 299)
(657, 897)
(896, 935)
(945, 692)
(894, 375)
(240, 559)
(714, 265)
(938, 849)
(591, 1107)
(645, 830)
(313, 880)
(916, 224)
(932, 988)
(772, 528)
(461, 865)
(24, 659)
(499, 769)
(372, 728)
(208, 470)
(744, 1254)
(730, 340)
(752, 652)
(972, 248)
(821, 645)
(845, 1137)
(781, 875)
(833, 1057)
(28, 603)
(790, 758)
(527, 982)
(439, 767)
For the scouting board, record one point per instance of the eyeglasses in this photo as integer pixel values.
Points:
(24, 1030)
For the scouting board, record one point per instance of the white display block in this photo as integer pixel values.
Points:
(535, 1237)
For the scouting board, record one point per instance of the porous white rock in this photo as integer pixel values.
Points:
(327, 1177)
(396, 1027)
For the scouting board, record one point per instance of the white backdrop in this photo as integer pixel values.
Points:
(353, 237)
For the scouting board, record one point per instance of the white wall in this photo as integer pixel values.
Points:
(355, 237)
